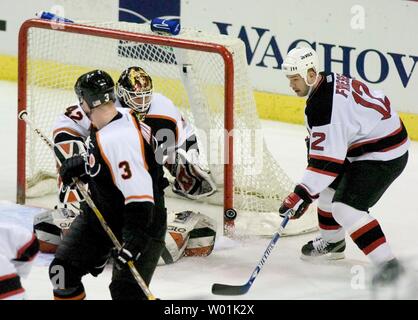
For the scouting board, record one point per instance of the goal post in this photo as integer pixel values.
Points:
(128, 36)
(205, 75)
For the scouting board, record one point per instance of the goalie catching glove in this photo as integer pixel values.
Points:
(191, 179)
(299, 200)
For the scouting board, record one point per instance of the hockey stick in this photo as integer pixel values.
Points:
(231, 290)
(23, 115)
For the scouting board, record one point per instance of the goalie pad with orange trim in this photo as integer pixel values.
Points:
(202, 238)
(188, 234)
(64, 150)
(49, 227)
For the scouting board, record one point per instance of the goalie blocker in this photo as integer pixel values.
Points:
(65, 150)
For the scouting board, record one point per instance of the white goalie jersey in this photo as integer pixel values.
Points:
(347, 121)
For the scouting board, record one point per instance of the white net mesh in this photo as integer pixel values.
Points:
(57, 59)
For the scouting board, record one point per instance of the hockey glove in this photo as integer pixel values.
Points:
(124, 255)
(192, 180)
(299, 200)
(73, 167)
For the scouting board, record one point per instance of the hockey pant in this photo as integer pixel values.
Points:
(86, 249)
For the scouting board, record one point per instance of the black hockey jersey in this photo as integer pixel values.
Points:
(117, 165)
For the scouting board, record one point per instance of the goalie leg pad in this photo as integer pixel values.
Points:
(202, 238)
(64, 150)
(49, 227)
(175, 244)
(188, 234)
(179, 226)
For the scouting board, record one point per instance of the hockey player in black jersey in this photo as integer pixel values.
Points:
(118, 169)
(178, 148)
(358, 146)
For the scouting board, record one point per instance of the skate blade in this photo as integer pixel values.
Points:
(324, 257)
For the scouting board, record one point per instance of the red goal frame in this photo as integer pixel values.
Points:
(135, 37)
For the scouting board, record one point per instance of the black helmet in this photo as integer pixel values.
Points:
(135, 83)
(95, 87)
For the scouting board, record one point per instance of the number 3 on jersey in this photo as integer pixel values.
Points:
(126, 170)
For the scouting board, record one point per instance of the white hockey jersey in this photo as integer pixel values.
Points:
(347, 120)
(18, 248)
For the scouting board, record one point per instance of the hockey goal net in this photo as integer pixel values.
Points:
(205, 75)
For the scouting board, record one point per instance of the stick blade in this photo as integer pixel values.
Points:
(227, 290)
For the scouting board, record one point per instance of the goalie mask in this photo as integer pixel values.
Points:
(134, 90)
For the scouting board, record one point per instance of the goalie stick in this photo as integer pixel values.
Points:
(23, 115)
(231, 290)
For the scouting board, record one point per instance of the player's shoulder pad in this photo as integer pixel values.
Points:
(318, 109)
(72, 124)
(163, 106)
(115, 129)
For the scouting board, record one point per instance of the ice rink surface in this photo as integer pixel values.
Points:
(284, 276)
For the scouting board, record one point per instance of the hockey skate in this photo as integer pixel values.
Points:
(321, 249)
